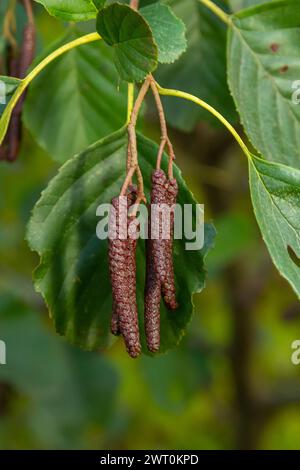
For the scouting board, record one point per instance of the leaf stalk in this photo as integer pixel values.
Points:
(217, 11)
(4, 121)
(210, 109)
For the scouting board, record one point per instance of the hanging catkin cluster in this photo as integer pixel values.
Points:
(159, 245)
(159, 264)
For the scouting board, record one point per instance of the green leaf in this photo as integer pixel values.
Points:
(11, 85)
(135, 52)
(168, 31)
(7, 87)
(201, 70)
(73, 275)
(237, 5)
(76, 100)
(275, 191)
(263, 67)
(70, 10)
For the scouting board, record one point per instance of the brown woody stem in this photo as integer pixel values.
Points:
(165, 141)
(29, 12)
(128, 162)
(132, 154)
(127, 181)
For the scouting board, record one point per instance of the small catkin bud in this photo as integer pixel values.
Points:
(122, 264)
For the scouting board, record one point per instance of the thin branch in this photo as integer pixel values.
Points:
(29, 12)
(165, 141)
(128, 162)
(138, 102)
(210, 109)
(216, 10)
(127, 181)
(132, 154)
(130, 100)
(141, 195)
(9, 26)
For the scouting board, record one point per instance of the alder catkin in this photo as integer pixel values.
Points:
(168, 285)
(152, 301)
(158, 198)
(159, 257)
(27, 50)
(114, 327)
(122, 264)
(164, 193)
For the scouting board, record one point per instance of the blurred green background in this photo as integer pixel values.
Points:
(229, 385)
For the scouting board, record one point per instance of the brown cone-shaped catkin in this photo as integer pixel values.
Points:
(122, 264)
(164, 192)
(159, 262)
(152, 301)
(168, 285)
(27, 50)
(158, 197)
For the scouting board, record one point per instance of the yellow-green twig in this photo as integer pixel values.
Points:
(4, 121)
(130, 101)
(203, 104)
(216, 10)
